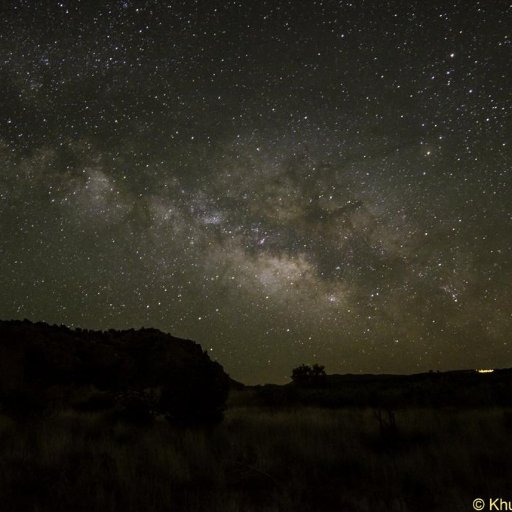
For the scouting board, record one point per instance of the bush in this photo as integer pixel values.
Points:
(26, 403)
(195, 395)
(97, 401)
(137, 407)
(309, 375)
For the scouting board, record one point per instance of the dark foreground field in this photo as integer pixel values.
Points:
(258, 459)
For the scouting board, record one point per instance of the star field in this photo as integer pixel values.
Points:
(283, 182)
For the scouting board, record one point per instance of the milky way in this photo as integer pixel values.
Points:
(283, 182)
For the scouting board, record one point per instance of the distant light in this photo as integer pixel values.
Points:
(485, 371)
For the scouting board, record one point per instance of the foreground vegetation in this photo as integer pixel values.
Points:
(258, 459)
(137, 421)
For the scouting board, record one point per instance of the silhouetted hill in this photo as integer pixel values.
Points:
(467, 388)
(38, 356)
(452, 375)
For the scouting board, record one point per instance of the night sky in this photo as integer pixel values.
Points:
(284, 182)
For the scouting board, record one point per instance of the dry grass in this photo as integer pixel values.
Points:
(258, 460)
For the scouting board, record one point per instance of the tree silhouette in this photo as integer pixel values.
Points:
(305, 375)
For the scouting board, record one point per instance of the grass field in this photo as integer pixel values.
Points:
(258, 459)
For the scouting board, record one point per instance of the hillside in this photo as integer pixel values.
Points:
(40, 360)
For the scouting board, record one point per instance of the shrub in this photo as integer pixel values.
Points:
(25, 403)
(195, 395)
(137, 407)
(305, 375)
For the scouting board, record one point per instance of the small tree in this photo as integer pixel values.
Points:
(195, 394)
(305, 375)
